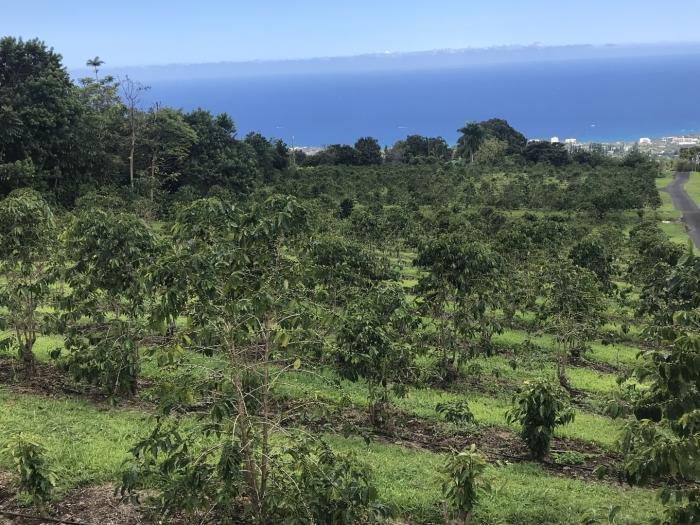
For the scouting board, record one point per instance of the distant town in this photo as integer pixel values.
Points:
(658, 147)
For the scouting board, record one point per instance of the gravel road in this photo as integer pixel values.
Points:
(686, 205)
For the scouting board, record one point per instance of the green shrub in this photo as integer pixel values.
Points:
(539, 408)
(455, 412)
(569, 457)
(462, 487)
(317, 485)
(36, 478)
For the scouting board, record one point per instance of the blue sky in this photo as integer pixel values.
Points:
(129, 32)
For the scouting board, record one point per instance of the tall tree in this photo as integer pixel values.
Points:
(131, 93)
(167, 138)
(369, 151)
(470, 141)
(499, 129)
(216, 157)
(95, 64)
(38, 109)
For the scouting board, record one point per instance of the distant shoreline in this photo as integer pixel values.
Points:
(605, 101)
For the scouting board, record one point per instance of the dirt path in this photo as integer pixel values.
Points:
(686, 205)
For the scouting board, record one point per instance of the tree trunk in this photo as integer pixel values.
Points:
(28, 359)
(153, 174)
(131, 161)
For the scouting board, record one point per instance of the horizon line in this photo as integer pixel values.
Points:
(394, 54)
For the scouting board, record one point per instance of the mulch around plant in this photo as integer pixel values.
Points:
(93, 505)
(496, 443)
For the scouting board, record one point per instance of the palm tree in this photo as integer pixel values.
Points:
(95, 63)
(470, 141)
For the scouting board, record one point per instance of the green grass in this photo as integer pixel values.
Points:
(84, 443)
(487, 410)
(521, 493)
(421, 402)
(675, 232)
(692, 187)
(667, 213)
(88, 445)
(616, 355)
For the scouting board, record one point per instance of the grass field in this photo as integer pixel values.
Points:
(89, 444)
(692, 187)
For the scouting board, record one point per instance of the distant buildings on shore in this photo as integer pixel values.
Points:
(658, 147)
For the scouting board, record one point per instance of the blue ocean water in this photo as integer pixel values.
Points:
(601, 100)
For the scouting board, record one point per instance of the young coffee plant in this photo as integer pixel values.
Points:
(455, 412)
(313, 484)
(539, 408)
(463, 483)
(27, 232)
(35, 476)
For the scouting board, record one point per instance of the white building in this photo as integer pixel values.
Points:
(570, 142)
(685, 141)
(554, 140)
(645, 140)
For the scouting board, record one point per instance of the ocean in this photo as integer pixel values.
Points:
(590, 100)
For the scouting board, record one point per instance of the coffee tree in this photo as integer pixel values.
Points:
(344, 267)
(372, 345)
(246, 304)
(108, 254)
(571, 307)
(460, 292)
(669, 289)
(592, 253)
(539, 408)
(27, 231)
(662, 442)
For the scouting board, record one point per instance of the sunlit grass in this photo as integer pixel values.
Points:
(84, 443)
(521, 493)
(421, 402)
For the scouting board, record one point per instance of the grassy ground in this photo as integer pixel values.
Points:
(88, 444)
(520, 493)
(692, 187)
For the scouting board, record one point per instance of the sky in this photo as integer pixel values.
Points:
(150, 32)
